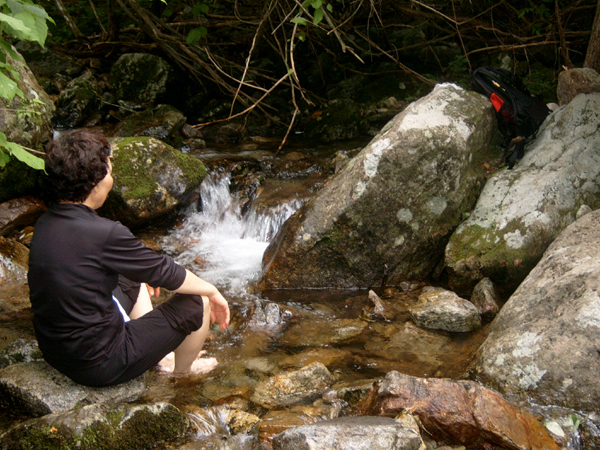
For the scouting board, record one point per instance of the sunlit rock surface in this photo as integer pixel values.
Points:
(521, 211)
(544, 343)
(387, 216)
(151, 179)
(35, 389)
(357, 433)
(465, 413)
(440, 309)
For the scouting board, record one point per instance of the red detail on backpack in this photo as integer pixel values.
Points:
(496, 101)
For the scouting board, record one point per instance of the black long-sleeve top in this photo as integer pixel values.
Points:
(75, 260)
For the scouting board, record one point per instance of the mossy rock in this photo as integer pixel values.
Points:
(151, 179)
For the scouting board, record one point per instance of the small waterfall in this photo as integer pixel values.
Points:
(223, 246)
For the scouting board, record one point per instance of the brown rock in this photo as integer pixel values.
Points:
(19, 213)
(573, 82)
(464, 413)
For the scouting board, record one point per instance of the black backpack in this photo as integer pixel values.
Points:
(519, 113)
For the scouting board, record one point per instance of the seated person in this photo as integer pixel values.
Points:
(89, 277)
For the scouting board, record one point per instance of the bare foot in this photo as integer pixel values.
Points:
(203, 365)
(167, 364)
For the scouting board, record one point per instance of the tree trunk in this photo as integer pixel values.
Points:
(592, 56)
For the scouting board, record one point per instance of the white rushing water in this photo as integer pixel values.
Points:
(223, 246)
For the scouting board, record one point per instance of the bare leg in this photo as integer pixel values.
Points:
(188, 351)
(143, 304)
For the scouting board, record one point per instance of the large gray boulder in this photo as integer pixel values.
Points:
(543, 345)
(521, 211)
(151, 179)
(387, 216)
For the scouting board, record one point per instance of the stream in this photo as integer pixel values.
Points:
(278, 331)
(222, 238)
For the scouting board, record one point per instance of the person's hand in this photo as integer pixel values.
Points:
(219, 310)
(153, 291)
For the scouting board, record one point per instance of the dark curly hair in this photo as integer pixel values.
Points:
(76, 163)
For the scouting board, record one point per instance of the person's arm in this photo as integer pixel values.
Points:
(218, 305)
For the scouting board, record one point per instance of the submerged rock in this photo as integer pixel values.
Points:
(386, 217)
(543, 345)
(293, 387)
(521, 211)
(357, 433)
(464, 413)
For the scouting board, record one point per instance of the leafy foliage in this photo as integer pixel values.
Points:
(26, 21)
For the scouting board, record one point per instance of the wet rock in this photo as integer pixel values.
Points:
(35, 389)
(277, 421)
(464, 413)
(139, 78)
(119, 427)
(16, 252)
(521, 211)
(440, 309)
(382, 218)
(327, 356)
(151, 179)
(33, 128)
(269, 315)
(160, 122)
(410, 345)
(576, 81)
(11, 271)
(351, 392)
(485, 298)
(77, 102)
(368, 433)
(378, 308)
(323, 333)
(19, 213)
(552, 316)
(20, 351)
(293, 387)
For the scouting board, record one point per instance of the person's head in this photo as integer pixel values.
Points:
(76, 163)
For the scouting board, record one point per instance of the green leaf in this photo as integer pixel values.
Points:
(195, 35)
(8, 88)
(299, 20)
(318, 17)
(317, 4)
(16, 26)
(24, 156)
(330, 7)
(8, 49)
(4, 158)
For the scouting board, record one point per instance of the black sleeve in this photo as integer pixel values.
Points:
(124, 254)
